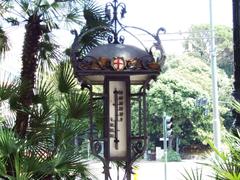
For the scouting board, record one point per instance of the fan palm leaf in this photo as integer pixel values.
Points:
(68, 163)
(9, 144)
(66, 131)
(192, 174)
(8, 86)
(44, 93)
(41, 17)
(75, 105)
(49, 53)
(3, 170)
(98, 115)
(95, 30)
(40, 119)
(4, 46)
(236, 105)
(65, 78)
(14, 151)
(226, 165)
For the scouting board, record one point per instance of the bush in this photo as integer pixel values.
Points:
(172, 156)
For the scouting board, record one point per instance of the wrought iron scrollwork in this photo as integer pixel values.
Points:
(112, 13)
(138, 147)
(115, 8)
(157, 47)
(97, 147)
(140, 64)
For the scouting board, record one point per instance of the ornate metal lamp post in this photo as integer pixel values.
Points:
(117, 67)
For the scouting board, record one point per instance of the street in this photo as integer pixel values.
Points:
(154, 170)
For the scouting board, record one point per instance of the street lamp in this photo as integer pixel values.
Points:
(117, 67)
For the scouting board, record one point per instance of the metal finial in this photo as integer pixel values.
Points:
(111, 11)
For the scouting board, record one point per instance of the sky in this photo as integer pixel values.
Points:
(176, 16)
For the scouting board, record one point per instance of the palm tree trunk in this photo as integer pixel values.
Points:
(29, 67)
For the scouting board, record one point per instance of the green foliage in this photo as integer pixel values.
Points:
(8, 86)
(65, 78)
(172, 156)
(49, 53)
(4, 46)
(56, 122)
(176, 92)
(185, 80)
(226, 163)
(236, 105)
(75, 105)
(58, 111)
(193, 174)
(198, 42)
(8, 142)
(34, 158)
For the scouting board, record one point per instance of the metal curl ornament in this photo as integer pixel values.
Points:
(97, 147)
(112, 16)
(138, 147)
(138, 67)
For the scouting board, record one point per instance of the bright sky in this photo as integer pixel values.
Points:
(174, 15)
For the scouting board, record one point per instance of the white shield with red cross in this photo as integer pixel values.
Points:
(118, 63)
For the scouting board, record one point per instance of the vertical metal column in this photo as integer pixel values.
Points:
(216, 119)
(236, 50)
(129, 142)
(165, 144)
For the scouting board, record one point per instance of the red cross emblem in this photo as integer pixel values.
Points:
(118, 63)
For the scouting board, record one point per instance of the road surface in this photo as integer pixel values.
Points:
(154, 170)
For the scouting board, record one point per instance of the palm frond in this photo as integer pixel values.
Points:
(25, 5)
(9, 144)
(4, 43)
(91, 39)
(8, 86)
(73, 16)
(14, 102)
(40, 119)
(41, 144)
(69, 161)
(226, 165)
(45, 92)
(65, 78)
(28, 166)
(94, 14)
(95, 19)
(8, 119)
(98, 115)
(220, 154)
(49, 53)
(66, 131)
(3, 170)
(4, 6)
(236, 105)
(75, 105)
(63, 12)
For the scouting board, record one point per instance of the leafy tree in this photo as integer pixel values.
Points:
(184, 81)
(40, 18)
(198, 42)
